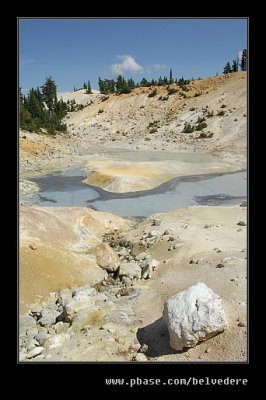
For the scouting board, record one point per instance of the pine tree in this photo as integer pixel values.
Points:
(88, 88)
(25, 118)
(243, 64)
(171, 77)
(234, 66)
(85, 86)
(227, 68)
(103, 86)
(49, 94)
(131, 84)
(144, 82)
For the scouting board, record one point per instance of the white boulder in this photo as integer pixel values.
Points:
(193, 315)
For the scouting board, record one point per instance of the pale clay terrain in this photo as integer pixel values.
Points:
(57, 244)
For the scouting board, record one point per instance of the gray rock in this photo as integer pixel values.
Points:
(140, 357)
(131, 269)
(57, 340)
(32, 343)
(41, 337)
(84, 291)
(243, 204)
(126, 280)
(154, 233)
(82, 300)
(65, 296)
(32, 331)
(152, 263)
(193, 315)
(26, 322)
(141, 256)
(147, 272)
(144, 348)
(48, 317)
(35, 352)
(36, 308)
(241, 223)
(61, 327)
(169, 231)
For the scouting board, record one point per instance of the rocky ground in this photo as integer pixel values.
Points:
(93, 285)
(119, 318)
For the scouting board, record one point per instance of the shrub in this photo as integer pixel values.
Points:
(153, 124)
(192, 109)
(220, 113)
(171, 91)
(100, 111)
(153, 93)
(204, 135)
(153, 130)
(197, 94)
(209, 114)
(188, 128)
(201, 126)
(223, 105)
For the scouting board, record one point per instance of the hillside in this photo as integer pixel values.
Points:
(137, 122)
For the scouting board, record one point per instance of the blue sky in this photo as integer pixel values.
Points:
(75, 50)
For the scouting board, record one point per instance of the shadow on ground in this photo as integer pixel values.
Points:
(156, 336)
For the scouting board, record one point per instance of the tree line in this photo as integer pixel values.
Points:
(236, 64)
(121, 85)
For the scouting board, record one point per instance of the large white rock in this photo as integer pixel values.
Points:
(193, 315)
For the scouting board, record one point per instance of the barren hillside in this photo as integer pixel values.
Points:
(137, 122)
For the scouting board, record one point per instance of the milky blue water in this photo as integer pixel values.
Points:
(67, 189)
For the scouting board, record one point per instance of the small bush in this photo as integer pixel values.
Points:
(165, 98)
(153, 124)
(171, 91)
(153, 130)
(223, 105)
(204, 135)
(188, 128)
(197, 94)
(209, 114)
(192, 109)
(100, 111)
(220, 113)
(201, 126)
(153, 93)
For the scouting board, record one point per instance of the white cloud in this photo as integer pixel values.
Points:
(26, 61)
(157, 67)
(128, 64)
